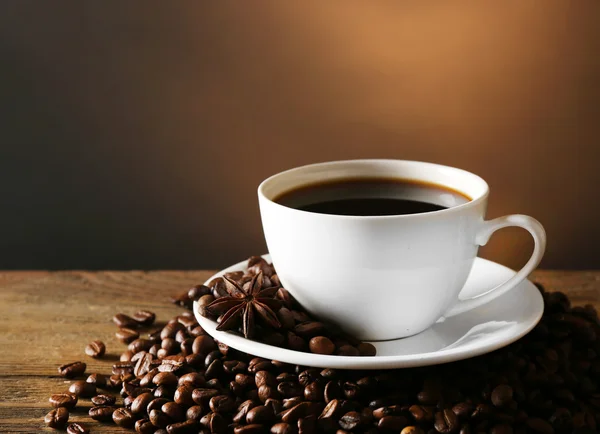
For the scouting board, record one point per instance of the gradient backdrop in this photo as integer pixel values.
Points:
(134, 134)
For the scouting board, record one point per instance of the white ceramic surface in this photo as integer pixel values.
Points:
(474, 332)
(385, 277)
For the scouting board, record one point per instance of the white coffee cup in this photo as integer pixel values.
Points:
(384, 277)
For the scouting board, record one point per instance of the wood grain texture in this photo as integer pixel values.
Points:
(46, 319)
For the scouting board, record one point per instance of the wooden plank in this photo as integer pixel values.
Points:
(46, 319)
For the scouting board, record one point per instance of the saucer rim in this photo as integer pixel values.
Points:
(372, 362)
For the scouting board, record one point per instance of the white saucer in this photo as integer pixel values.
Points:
(479, 331)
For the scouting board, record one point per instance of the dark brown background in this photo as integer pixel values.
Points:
(134, 134)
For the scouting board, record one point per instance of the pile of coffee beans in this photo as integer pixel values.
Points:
(179, 380)
(299, 331)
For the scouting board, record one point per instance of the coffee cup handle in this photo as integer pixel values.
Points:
(483, 235)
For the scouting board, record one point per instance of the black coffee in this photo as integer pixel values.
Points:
(372, 197)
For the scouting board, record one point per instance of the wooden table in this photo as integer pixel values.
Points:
(47, 318)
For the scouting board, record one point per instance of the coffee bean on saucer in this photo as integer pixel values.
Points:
(57, 418)
(367, 349)
(95, 349)
(77, 428)
(198, 291)
(72, 370)
(348, 350)
(321, 345)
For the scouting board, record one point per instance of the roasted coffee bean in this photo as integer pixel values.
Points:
(203, 396)
(193, 378)
(350, 420)
(446, 422)
(122, 320)
(308, 376)
(104, 400)
(265, 378)
(195, 412)
(265, 392)
(174, 411)
(126, 356)
(139, 344)
(429, 397)
(502, 395)
(295, 413)
(195, 292)
(289, 389)
(72, 370)
(260, 414)
(156, 404)
(57, 418)
(307, 425)
(390, 410)
(332, 410)
(183, 395)
(412, 430)
(143, 365)
(144, 317)
(171, 329)
(392, 423)
(290, 402)
(250, 429)
(366, 349)
(214, 422)
(82, 389)
(97, 380)
(463, 410)
(283, 428)
(501, 429)
(126, 335)
(351, 390)
(123, 418)
(165, 379)
(77, 428)
(332, 391)
(286, 318)
(66, 400)
(122, 368)
(187, 427)
(203, 345)
(140, 403)
(348, 350)
(421, 414)
(314, 391)
(95, 349)
(159, 419)
(539, 425)
(295, 342)
(144, 426)
(166, 392)
(102, 413)
(310, 329)
(321, 345)
(221, 404)
(214, 370)
(245, 381)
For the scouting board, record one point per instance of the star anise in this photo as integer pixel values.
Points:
(245, 304)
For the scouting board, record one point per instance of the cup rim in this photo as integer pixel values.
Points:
(472, 203)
